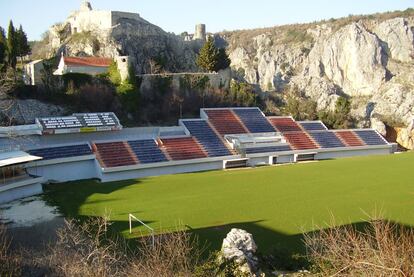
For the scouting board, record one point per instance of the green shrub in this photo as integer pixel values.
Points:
(241, 94)
(299, 106)
(76, 79)
(198, 82)
(340, 118)
(113, 74)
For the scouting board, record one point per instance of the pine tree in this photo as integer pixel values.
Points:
(22, 47)
(11, 46)
(207, 59)
(211, 58)
(3, 46)
(223, 60)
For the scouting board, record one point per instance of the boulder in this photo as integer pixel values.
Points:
(379, 126)
(240, 247)
(405, 137)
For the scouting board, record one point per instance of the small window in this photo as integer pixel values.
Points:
(123, 60)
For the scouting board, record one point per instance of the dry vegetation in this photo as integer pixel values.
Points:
(381, 248)
(297, 33)
(9, 262)
(89, 249)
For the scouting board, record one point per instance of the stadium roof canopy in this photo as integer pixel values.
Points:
(16, 157)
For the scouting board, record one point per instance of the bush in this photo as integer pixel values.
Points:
(96, 98)
(89, 248)
(382, 248)
(10, 263)
(340, 118)
(76, 79)
(241, 94)
(299, 106)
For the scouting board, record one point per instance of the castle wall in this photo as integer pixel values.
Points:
(84, 21)
(116, 16)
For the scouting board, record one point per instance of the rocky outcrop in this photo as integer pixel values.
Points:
(131, 36)
(398, 37)
(370, 61)
(240, 247)
(351, 58)
(20, 112)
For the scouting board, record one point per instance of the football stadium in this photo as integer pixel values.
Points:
(96, 146)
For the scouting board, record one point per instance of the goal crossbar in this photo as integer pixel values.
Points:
(132, 217)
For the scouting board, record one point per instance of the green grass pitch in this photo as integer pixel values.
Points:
(277, 204)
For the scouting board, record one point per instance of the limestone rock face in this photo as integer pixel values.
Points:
(371, 61)
(395, 101)
(399, 38)
(405, 137)
(352, 58)
(240, 247)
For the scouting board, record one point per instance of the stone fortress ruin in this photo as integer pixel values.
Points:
(86, 19)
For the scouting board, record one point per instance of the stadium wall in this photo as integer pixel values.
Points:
(21, 189)
(352, 153)
(65, 170)
(190, 166)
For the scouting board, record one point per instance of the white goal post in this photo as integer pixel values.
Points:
(132, 217)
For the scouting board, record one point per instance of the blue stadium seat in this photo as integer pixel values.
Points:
(147, 151)
(326, 139)
(254, 120)
(269, 149)
(371, 137)
(62, 151)
(313, 126)
(207, 137)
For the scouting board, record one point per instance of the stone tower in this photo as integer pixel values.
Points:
(85, 6)
(124, 63)
(200, 32)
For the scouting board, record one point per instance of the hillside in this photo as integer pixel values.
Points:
(369, 59)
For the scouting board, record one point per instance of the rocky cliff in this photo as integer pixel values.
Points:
(142, 41)
(369, 59)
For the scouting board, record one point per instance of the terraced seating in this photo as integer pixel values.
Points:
(113, 154)
(147, 151)
(269, 149)
(51, 153)
(300, 141)
(350, 138)
(371, 137)
(313, 126)
(225, 122)
(326, 139)
(185, 148)
(207, 137)
(285, 124)
(254, 120)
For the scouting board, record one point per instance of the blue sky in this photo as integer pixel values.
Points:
(181, 15)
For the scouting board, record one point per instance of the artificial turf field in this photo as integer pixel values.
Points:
(277, 204)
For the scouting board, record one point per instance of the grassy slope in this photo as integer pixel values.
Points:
(276, 204)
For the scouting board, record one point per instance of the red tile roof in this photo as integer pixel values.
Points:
(88, 61)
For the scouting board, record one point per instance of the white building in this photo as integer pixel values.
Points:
(33, 73)
(85, 65)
